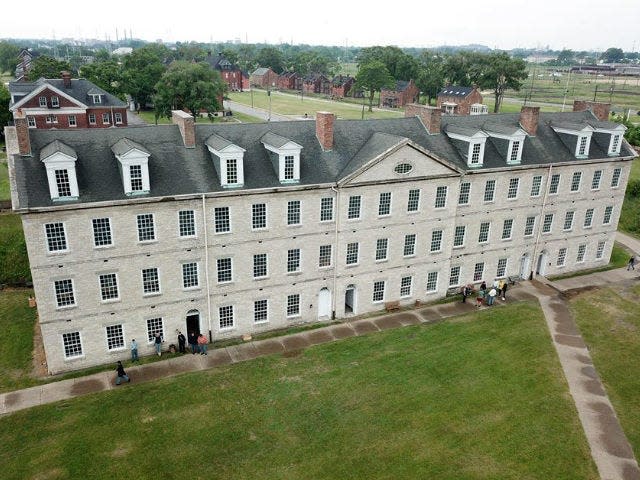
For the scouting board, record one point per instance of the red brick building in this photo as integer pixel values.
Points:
(341, 86)
(289, 81)
(66, 103)
(454, 100)
(317, 83)
(230, 73)
(404, 92)
(263, 78)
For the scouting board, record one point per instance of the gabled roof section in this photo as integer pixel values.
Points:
(217, 142)
(501, 129)
(571, 127)
(77, 93)
(607, 126)
(465, 131)
(57, 147)
(95, 91)
(260, 71)
(125, 145)
(37, 88)
(276, 141)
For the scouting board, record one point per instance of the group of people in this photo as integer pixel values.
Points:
(486, 295)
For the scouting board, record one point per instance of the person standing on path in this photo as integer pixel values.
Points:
(465, 293)
(122, 375)
(479, 298)
(193, 343)
(504, 290)
(158, 343)
(134, 350)
(202, 343)
(182, 340)
(492, 296)
(632, 263)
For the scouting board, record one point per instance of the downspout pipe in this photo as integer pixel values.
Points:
(335, 259)
(206, 264)
(542, 208)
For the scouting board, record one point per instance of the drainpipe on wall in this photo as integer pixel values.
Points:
(335, 267)
(544, 204)
(206, 264)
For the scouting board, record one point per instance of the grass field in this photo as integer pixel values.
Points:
(149, 117)
(609, 321)
(14, 262)
(4, 182)
(478, 397)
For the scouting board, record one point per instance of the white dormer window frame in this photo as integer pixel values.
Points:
(478, 109)
(224, 164)
(583, 139)
(55, 101)
(514, 157)
(475, 154)
(135, 172)
(615, 143)
(61, 176)
(288, 153)
(96, 98)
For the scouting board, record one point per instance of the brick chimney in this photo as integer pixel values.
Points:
(529, 119)
(186, 124)
(599, 109)
(22, 132)
(66, 79)
(430, 116)
(324, 129)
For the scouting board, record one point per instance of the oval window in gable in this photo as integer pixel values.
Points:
(403, 168)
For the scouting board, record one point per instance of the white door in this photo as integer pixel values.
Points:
(350, 300)
(525, 262)
(324, 303)
(542, 263)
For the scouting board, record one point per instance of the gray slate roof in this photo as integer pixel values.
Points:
(275, 140)
(80, 90)
(260, 71)
(124, 145)
(55, 147)
(175, 170)
(455, 91)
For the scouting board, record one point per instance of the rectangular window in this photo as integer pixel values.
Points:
(225, 270)
(513, 188)
(324, 258)
(260, 265)
(568, 221)
(109, 286)
(489, 190)
(615, 143)
(96, 98)
(135, 173)
(354, 207)
(384, 204)
(352, 253)
(478, 271)
(588, 218)
(293, 260)
(72, 345)
(187, 223)
(72, 121)
(261, 311)
(575, 181)
(62, 183)
(56, 237)
(55, 102)
(548, 223)
(381, 249)
(405, 286)
(52, 119)
(190, 275)
(501, 271)
(232, 171)
(562, 257)
(600, 250)
(31, 122)
(454, 276)
(92, 119)
(615, 179)
(441, 197)
(606, 220)
(529, 226)
(326, 209)
(554, 184)
(115, 337)
(221, 220)
(535, 185)
(293, 305)
(154, 325)
(64, 293)
(409, 245)
(258, 216)
(42, 101)
(483, 236)
(378, 291)
(515, 148)
(507, 227)
(465, 191)
(150, 281)
(289, 171)
(225, 314)
(458, 236)
(436, 241)
(118, 117)
(293, 212)
(595, 182)
(582, 250)
(106, 118)
(432, 282)
(146, 227)
(475, 153)
(413, 203)
(582, 145)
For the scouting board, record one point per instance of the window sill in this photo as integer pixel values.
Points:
(258, 279)
(74, 359)
(66, 307)
(298, 272)
(261, 322)
(191, 289)
(153, 294)
(297, 315)
(109, 300)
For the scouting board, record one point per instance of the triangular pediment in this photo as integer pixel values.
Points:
(403, 162)
(43, 89)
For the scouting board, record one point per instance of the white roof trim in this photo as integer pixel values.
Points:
(39, 90)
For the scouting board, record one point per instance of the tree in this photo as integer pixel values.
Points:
(566, 57)
(142, 70)
(304, 63)
(8, 56)
(106, 74)
(194, 86)
(400, 65)
(612, 55)
(272, 58)
(462, 68)
(499, 71)
(373, 77)
(47, 67)
(5, 114)
(430, 77)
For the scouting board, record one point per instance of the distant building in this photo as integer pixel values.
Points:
(263, 78)
(455, 100)
(317, 83)
(341, 86)
(25, 59)
(403, 93)
(230, 73)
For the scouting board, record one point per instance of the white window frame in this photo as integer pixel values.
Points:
(260, 265)
(481, 232)
(294, 260)
(108, 284)
(615, 178)
(501, 268)
(114, 335)
(384, 204)
(150, 281)
(55, 101)
(489, 191)
(588, 218)
(56, 236)
(325, 256)
(582, 253)
(294, 213)
(222, 220)
(568, 221)
(600, 249)
(608, 213)
(72, 345)
(106, 118)
(354, 208)
(64, 293)
(224, 270)
(378, 291)
(596, 180)
(72, 120)
(441, 197)
(352, 256)
(293, 305)
(406, 286)
(148, 230)
(187, 224)
(576, 180)
(42, 101)
(454, 276)
(413, 201)
(536, 186)
(259, 216)
(514, 186)
(459, 236)
(409, 249)
(554, 184)
(432, 282)
(561, 261)
(326, 209)
(190, 275)
(154, 325)
(436, 241)
(478, 271)
(226, 317)
(507, 229)
(92, 119)
(547, 224)
(529, 226)
(118, 118)
(464, 194)
(260, 310)
(382, 250)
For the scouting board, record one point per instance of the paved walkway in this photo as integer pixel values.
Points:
(609, 446)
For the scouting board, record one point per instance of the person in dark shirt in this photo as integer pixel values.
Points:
(182, 340)
(122, 375)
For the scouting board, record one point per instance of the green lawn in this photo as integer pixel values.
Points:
(477, 397)
(14, 262)
(609, 320)
(5, 193)
(150, 118)
(293, 104)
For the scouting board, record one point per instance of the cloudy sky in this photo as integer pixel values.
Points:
(578, 25)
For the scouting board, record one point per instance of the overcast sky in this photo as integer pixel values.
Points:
(504, 24)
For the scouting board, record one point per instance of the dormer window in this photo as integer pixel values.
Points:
(289, 167)
(42, 101)
(55, 102)
(508, 139)
(614, 146)
(96, 98)
(60, 162)
(285, 156)
(609, 136)
(476, 149)
(582, 132)
(227, 160)
(582, 149)
(474, 137)
(514, 151)
(134, 166)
